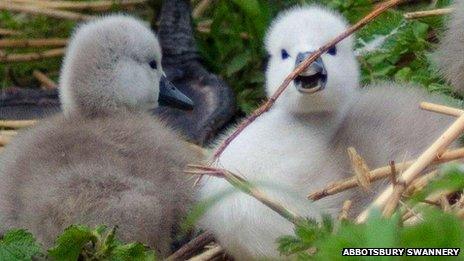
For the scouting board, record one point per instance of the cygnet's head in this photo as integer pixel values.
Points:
(115, 62)
(329, 83)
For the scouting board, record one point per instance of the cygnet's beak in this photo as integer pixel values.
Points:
(314, 78)
(171, 96)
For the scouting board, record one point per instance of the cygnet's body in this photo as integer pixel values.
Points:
(300, 144)
(105, 161)
(450, 54)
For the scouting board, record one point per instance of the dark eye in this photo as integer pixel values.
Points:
(284, 54)
(153, 65)
(332, 51)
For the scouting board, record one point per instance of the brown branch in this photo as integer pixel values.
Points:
(246, 187)
(102, 5)
(301, 67)
(16, 124)
(192, 247)
(34, 10)
(436, 149)
(378, 174)
(428, 13)
(441, 109)
(209, 254)
(27, 57)
(21, 43)
(46, 82)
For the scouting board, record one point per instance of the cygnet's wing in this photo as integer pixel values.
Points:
(450, 53)
(214, 101)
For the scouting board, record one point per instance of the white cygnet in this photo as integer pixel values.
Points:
(300, 144)
(450, 54)
(106, 160)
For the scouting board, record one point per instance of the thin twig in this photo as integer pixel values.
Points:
(428, 13)
(12, 124)
(301, 67)
(436, 149)
(27, 57)
(192, 247)
(441, 109)
(46, 82)
(378, 174)
(209, 254)
(394, 173)
(246, 187)
(10, 133)
(21, 43)
(34, 10)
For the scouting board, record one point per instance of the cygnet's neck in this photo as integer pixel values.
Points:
(325, 123)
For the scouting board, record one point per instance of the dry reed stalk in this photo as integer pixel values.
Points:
(394, 200)
(34, 10)
(209, 254)
(4, 140)
(16, 124)
(27, 57)
(434, 151)
(246, 187)
(10, 133)
(428, 13)
(46, 82)
(441, 109)
(21, 43)
(378, 174)
(360, 169)
(192, 247)
(103, 5)
(301, 67)
(9, 32)
(345, 210)
(444, 203)
(420, 183)
(200, 8)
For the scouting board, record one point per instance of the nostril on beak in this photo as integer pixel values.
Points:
(316, 67)
(301, 57)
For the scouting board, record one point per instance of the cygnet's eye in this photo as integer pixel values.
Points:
(284, 54)
(153, 64)
(332, 50)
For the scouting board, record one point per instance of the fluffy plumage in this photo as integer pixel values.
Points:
(105, 161)
(300, 144)
(450, 54)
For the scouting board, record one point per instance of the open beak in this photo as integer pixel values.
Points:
(314, 78)
(171, 96)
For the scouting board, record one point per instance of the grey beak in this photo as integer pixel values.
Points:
(316, 67)
(170, 96)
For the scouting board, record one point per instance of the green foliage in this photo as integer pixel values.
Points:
(76, 243)
(437, 229)
(18, 245)
(96, 244)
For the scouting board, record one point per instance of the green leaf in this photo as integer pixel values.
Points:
(238, 63)
(133, 251)
(18, 245)
(69, 245)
